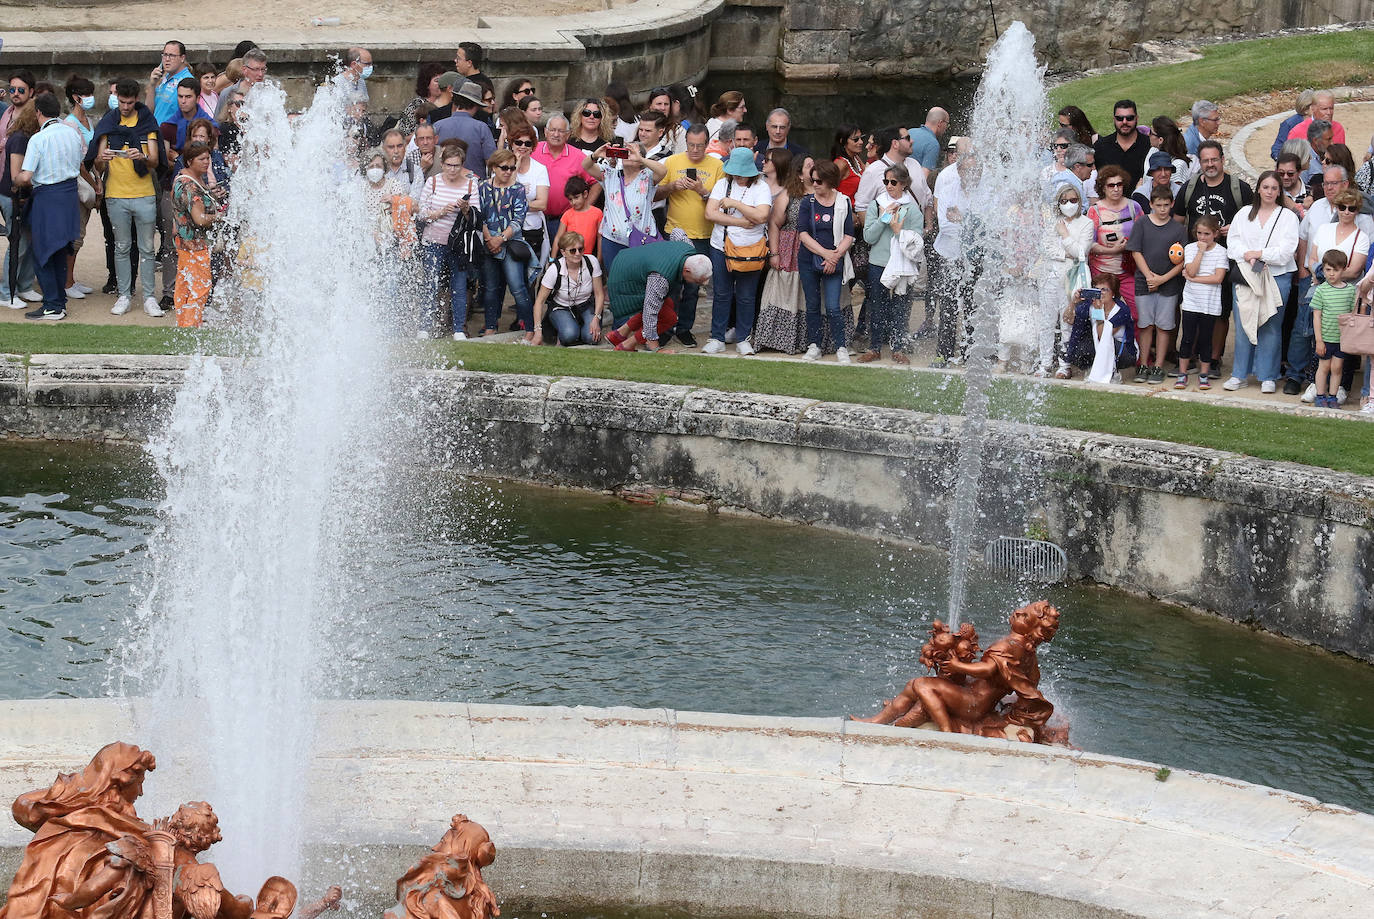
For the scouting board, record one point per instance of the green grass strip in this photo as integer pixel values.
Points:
(1339, 444)
(1225, 71)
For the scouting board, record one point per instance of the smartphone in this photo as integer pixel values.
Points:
(617, 153)
(691, 173)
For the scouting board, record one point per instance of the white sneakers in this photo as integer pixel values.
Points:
(842, 356)
(1310, 395)
(1267, 387)
(1233, 384)
(31, 295)
(713, 346)
(76, 293)
(1368, 407)
(121, 306)
(15, 303)
(84, 288)
(460, 336)
(1340, 395)
(744, 348)
(813, 353)
(152, 309)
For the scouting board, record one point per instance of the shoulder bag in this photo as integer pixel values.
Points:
(743, 258)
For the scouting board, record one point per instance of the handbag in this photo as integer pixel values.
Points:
(1357, 333)
(1233, 273)
(519, 250)
(85, 193)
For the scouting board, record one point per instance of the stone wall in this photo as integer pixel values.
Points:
(1282, 546)
(716, 814)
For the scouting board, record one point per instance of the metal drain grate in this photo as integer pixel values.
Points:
(1028, 558)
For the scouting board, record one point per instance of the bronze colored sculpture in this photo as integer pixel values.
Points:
(447, 883)
(91, 856)
(997, 695)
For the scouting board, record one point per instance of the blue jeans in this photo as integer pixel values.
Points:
(609, 250)
(435, 257)
(494, 271)
(52, 277)
(573, 328)
(815, 285)
(1262, 358)
(143, 214)
(888, 314)
(1302, 345)
(687, 309)
(18, 249)
(727, 285)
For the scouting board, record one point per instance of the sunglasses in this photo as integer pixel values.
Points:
(522, 143)
(1351, 208)
(1287, 175)
(506, 168)
(527, 91)
(1115, 185)
(1061, 146)
(572, 250)
(590, 113)
(235, 105)
(1123, 118)
(891, 182)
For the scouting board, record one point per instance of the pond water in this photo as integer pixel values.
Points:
(493, 592)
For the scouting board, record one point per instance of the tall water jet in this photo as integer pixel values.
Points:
(1002, 235)
(267, 458)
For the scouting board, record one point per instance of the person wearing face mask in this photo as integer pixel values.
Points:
(352, 79)
(1065, 269)
(80, 93)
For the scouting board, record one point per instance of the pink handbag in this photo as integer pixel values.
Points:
(1357, 333)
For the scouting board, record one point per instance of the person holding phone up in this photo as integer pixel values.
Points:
(125, 147)
(686, 185)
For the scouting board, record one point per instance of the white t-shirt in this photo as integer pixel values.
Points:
(536, 176)
(949, 192)
(754, 196)
(1321, 213)
(571, 293)
(1324, 240)
(1203, 298)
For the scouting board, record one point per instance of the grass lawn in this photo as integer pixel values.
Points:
(1334, 443)
(1225, 70)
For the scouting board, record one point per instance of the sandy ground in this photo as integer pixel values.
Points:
(1356, 117)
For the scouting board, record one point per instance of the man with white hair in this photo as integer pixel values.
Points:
(1206, 120)
(1323, 109)
(562, 161)
(926, 140)
(643, 286)
(778, 126)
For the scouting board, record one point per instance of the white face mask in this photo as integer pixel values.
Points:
(1069, 208)
(88, 102)
(374, 175)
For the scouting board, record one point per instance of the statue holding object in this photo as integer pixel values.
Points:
(91, 856)
(447, 883)
(996, 695)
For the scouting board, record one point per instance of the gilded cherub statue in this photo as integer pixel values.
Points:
(447, 883)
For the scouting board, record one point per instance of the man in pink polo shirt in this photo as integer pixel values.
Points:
(1323, 109)
(563, 162)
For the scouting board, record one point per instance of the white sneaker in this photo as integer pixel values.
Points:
(152, 309)
(713, 346)
(1233, 384)
(85, 289)
(460, 336)
(31, 295)
(730, 336)
(1267, 387)
(1368, 407)
(745, 349)
(842, 356)
(15, 303)
(1341, 395)
(76, 293)
(1116, 376)
(813, 353)
(121, 306)
(1310, 395)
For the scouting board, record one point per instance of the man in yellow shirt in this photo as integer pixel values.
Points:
(686, 185)
(127, 147)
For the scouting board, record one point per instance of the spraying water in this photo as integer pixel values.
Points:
(1002, 236)
(265, 458)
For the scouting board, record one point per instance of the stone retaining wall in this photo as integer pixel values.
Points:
(728, 814)
(1282, 546)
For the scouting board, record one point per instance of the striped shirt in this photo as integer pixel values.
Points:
(438, 194)
(54, 153)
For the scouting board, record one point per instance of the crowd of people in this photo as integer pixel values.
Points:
(607, 219)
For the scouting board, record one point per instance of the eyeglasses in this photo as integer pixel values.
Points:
(453, 165)
(590, 113)
(1114, 185)
(1061, 146)
(1351, 208)
(522, 143)
(904, 137)
(1123, 118)
(891, 182)
(506, 168)
(1286, 174)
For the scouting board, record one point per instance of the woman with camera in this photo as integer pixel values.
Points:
(629, 179)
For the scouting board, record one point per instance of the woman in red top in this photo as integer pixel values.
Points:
(848, 153)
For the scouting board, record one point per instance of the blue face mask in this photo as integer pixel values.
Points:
(367, 71)
(113, 102)
(88, 102)
(1097, 313)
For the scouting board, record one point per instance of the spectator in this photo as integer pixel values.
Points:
(1065, 271)
(429, 95)
(80, 93)
(925, 140)
(352, 80)
(19, 263)
(533, 175)
(781, 322)
(1153, 241)
(388, 204)
(1113, 216)
(889, 214)
(592, 131)
(778, 126)
(503, 209)
(1165, 136)
(468, 60)
(847, 152)
(739, 207)
(580, 217)
(730, 106)
(1262, 241)
(1160, 174)
(254, 72)
(1319, 135)
(399, 167)
(52, 160)
(562, 161)
(448, 82)
(951, 285)
(21, 87)
(1126, 147)
(534, 112)
(1073, 118)
(1333, 298)
(1289, 170)
(126, 147)
(1204, 275)
(173, 128)
(516, 89)
(422, 151)
(724, 141)
(195, 211)
(209, 96)
(744, 138)
(1301, 107)
(1339, 155)
(1103, 337)
(1364, 176)
(686, 184)
(165, 79)
(463, 125)
(1079, 171)
(895, 143)
(1323, 109)
(629, 185)
(446, 199)
(825, 229)
(1206, 120)
(643, 285)
(626, 125)
(572, 284)
(674, 136)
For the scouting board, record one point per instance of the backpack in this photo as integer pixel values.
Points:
(1192, 186)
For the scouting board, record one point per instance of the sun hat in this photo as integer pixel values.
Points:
(470, 91)
(741, 164)
(1160, 160)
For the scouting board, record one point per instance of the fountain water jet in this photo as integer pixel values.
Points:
(267, 458)
(1002, 235)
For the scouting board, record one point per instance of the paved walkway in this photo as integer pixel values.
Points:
(1249, 147)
